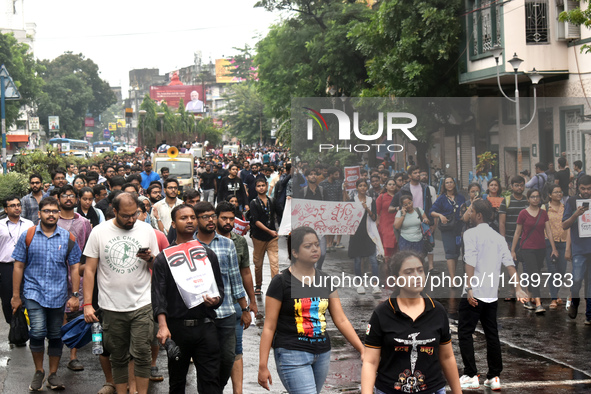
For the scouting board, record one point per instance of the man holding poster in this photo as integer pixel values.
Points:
(192, 328)
(577, 218)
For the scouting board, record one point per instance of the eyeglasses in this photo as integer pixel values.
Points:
(50, 211)
(127, 217)
(14, 206)
(68, 196)
(208, 217)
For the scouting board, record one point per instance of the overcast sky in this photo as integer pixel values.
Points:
(121, 35)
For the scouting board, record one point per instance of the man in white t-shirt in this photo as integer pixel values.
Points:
(120, 252)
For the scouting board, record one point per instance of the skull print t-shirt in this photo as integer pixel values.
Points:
(409, 359)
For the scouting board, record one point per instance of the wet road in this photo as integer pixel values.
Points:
(541, 354)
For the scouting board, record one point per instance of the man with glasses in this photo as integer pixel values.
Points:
(120, 253)
(162, 209)
(58, 179)
(30, 202)
(233, 289)
(11, 228)
(79, 227)
(45, 288)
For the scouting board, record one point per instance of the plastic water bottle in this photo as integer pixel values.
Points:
(97, 338)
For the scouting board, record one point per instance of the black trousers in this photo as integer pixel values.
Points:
(200, 343)
(6, 289)
(469, 316)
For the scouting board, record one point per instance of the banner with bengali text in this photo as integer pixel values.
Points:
(325, 217)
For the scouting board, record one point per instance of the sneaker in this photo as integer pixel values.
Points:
(572, 311)
(37, 382)
(376, 291)
(540, 310)
(75, 365)
(568, 303)
(529, 305)
(468, 382)
(494, 383)
(588, 322)
(361, 290)
(155, 376)
(339, 246)
(54, 382)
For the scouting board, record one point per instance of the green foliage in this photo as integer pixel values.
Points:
(412, 48)
(486, 162)
(309, 53)
(13, 183)
(23, 70)
(578, 17)
(72, 89)
(245, 110)
(44, 163)
(242, 65)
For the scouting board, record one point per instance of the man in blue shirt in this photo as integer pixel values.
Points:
(233, 288)
(148, 175)
(44, 266)
(580, 246)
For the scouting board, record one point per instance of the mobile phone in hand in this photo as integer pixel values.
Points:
(586, 205)
(143, 250)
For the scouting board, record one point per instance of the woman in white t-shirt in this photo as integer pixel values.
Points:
(408, 221)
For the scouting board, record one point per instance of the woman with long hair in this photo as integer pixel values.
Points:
(493, 195)
(295, 320)
(366, 240)
(85, 208)
(555, 210)
(531, 223)
(447, 209)
(408, 340)
(385, 220)
(408, 221)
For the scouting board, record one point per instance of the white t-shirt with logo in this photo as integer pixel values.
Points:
(124, 280)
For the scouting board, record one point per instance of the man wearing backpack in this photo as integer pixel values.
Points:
(538, 181)
(42, 258)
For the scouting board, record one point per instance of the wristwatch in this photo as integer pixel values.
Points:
(468, 289)
(75, 294)
(247, 309)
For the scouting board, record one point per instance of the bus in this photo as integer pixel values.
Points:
(102, 146)
(67, 146)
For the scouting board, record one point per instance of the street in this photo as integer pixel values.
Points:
(541, 354)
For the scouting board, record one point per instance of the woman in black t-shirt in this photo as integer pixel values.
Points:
(295, 320)
(408, 340)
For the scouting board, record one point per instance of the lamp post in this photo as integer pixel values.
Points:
(535, 79)
(161, 116)
(142, 113)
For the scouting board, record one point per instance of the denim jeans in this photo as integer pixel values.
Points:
(374, 265)
(301, 372)
(555, 268)
(45, 323)
(581, 271)
(440, 391)
(239, 329)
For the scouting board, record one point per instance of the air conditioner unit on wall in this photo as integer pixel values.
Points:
(566, 30)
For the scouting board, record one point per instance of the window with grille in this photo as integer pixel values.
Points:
(536, 21)
(484, 26)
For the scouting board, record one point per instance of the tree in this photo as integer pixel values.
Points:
(242, 65)
(245, 112)
(72, 89)
(23, 70)
(578, 17)
(412, 50)
(309, 53)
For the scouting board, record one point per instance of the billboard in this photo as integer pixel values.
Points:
(89, 121)
(54, 122)
(222, 71)
(89, 134)
(192, 96)
(34, 124)
(121, 123)
(112, 126)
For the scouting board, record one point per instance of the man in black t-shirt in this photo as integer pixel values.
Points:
(207, 184)
(563, 177)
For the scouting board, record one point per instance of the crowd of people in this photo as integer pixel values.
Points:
(97, 241)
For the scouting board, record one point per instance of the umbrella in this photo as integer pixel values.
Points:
(76, 333)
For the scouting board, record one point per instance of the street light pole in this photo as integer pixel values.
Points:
(142, 113)
(535, 79)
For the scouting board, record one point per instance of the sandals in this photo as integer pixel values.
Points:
(108, 388)
(257, 291)
(553, 304)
